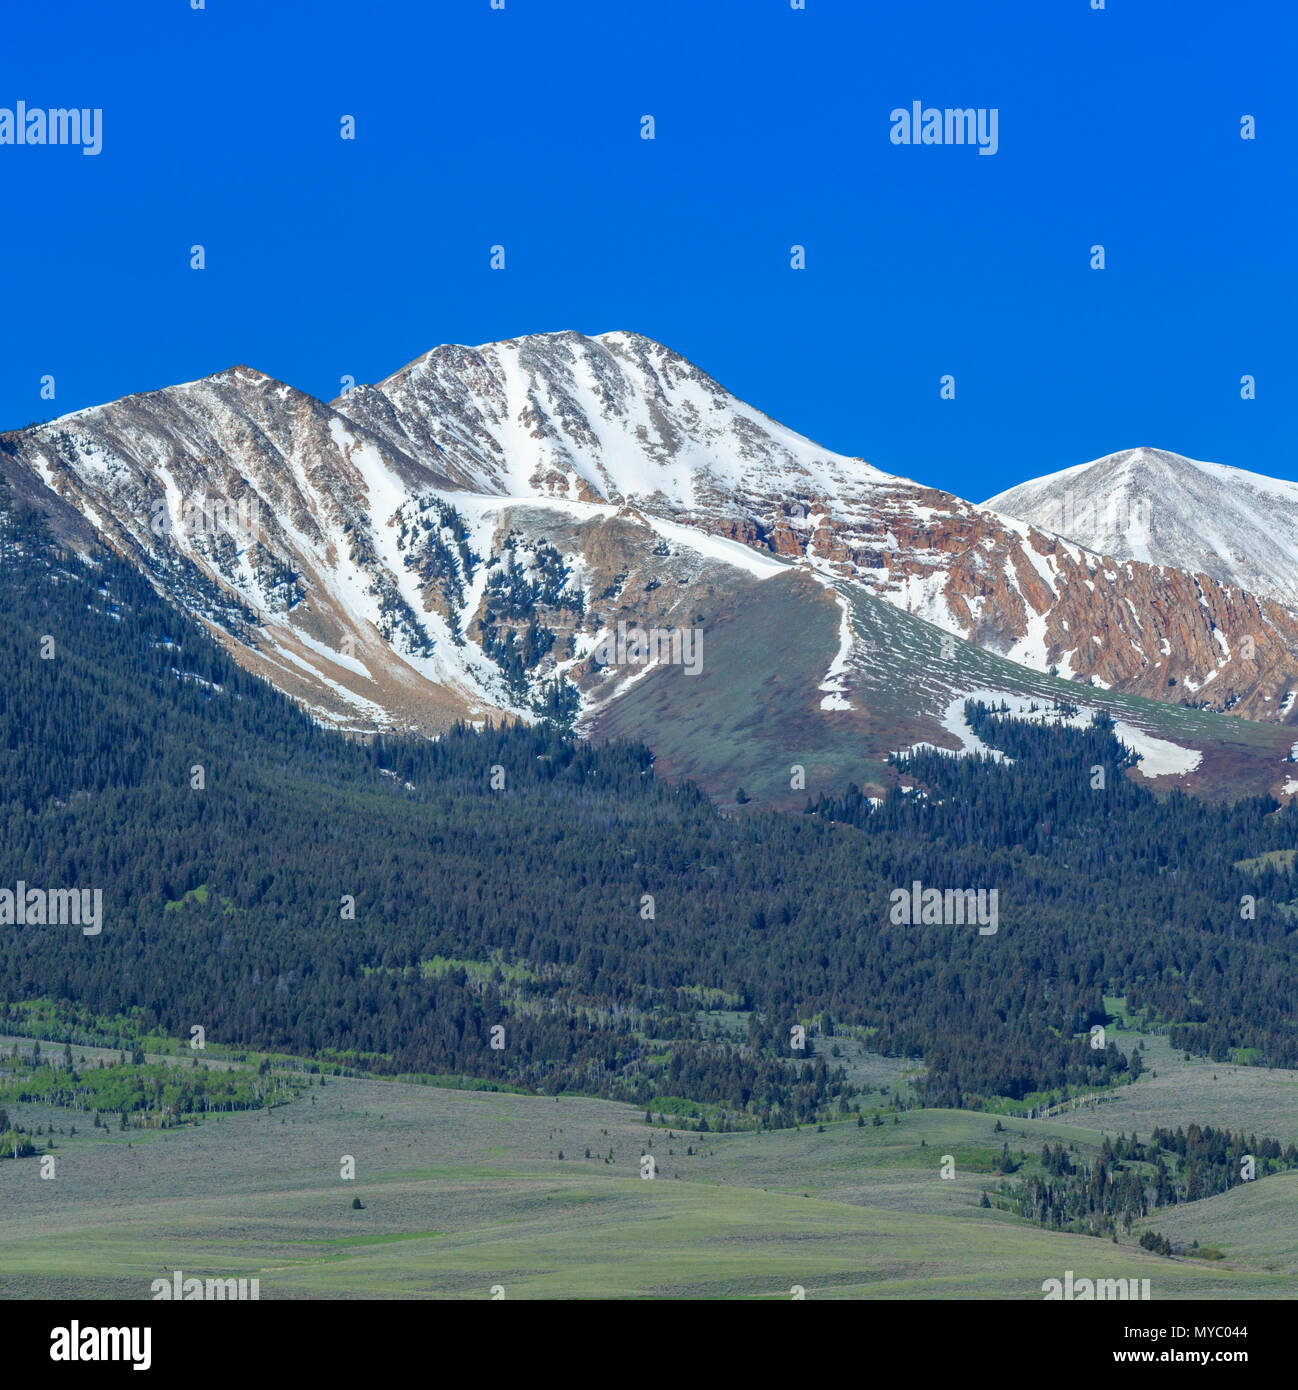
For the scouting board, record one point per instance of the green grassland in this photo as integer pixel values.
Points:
(462, 1191)
(1176, 1090)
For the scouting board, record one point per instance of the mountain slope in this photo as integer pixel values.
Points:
(462, 541)
(252, 505)
(758, 711)
(1145, 504)
(779, 917)
(620, 418)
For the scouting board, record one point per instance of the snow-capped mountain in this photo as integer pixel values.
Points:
(462, 538)
(621, 418)
(1147, 504)
(376, 588)
(605, 419)
(241, 496)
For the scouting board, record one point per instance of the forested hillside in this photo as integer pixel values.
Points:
(391, 905)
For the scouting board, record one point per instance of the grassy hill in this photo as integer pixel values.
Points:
(462, 1191)
(755, 709)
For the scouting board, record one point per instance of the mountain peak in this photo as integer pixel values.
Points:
(1162, 508)
(596, 419)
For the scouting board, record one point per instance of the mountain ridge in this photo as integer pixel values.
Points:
(455, 540)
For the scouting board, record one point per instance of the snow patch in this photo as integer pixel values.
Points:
(1158, 757)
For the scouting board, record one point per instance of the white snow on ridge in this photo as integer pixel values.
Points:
(736, 553)
(482, 508)
(348, 663)
(833, 684)
(358, 702)
(833, 687)
(953, 721)
(1158, 757)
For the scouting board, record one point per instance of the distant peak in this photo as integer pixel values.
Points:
(239, 374)
(1142, 452)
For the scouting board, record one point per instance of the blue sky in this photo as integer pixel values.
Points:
(521, 127)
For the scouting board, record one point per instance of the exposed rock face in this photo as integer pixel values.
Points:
(449, 541)
(1145, 629)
